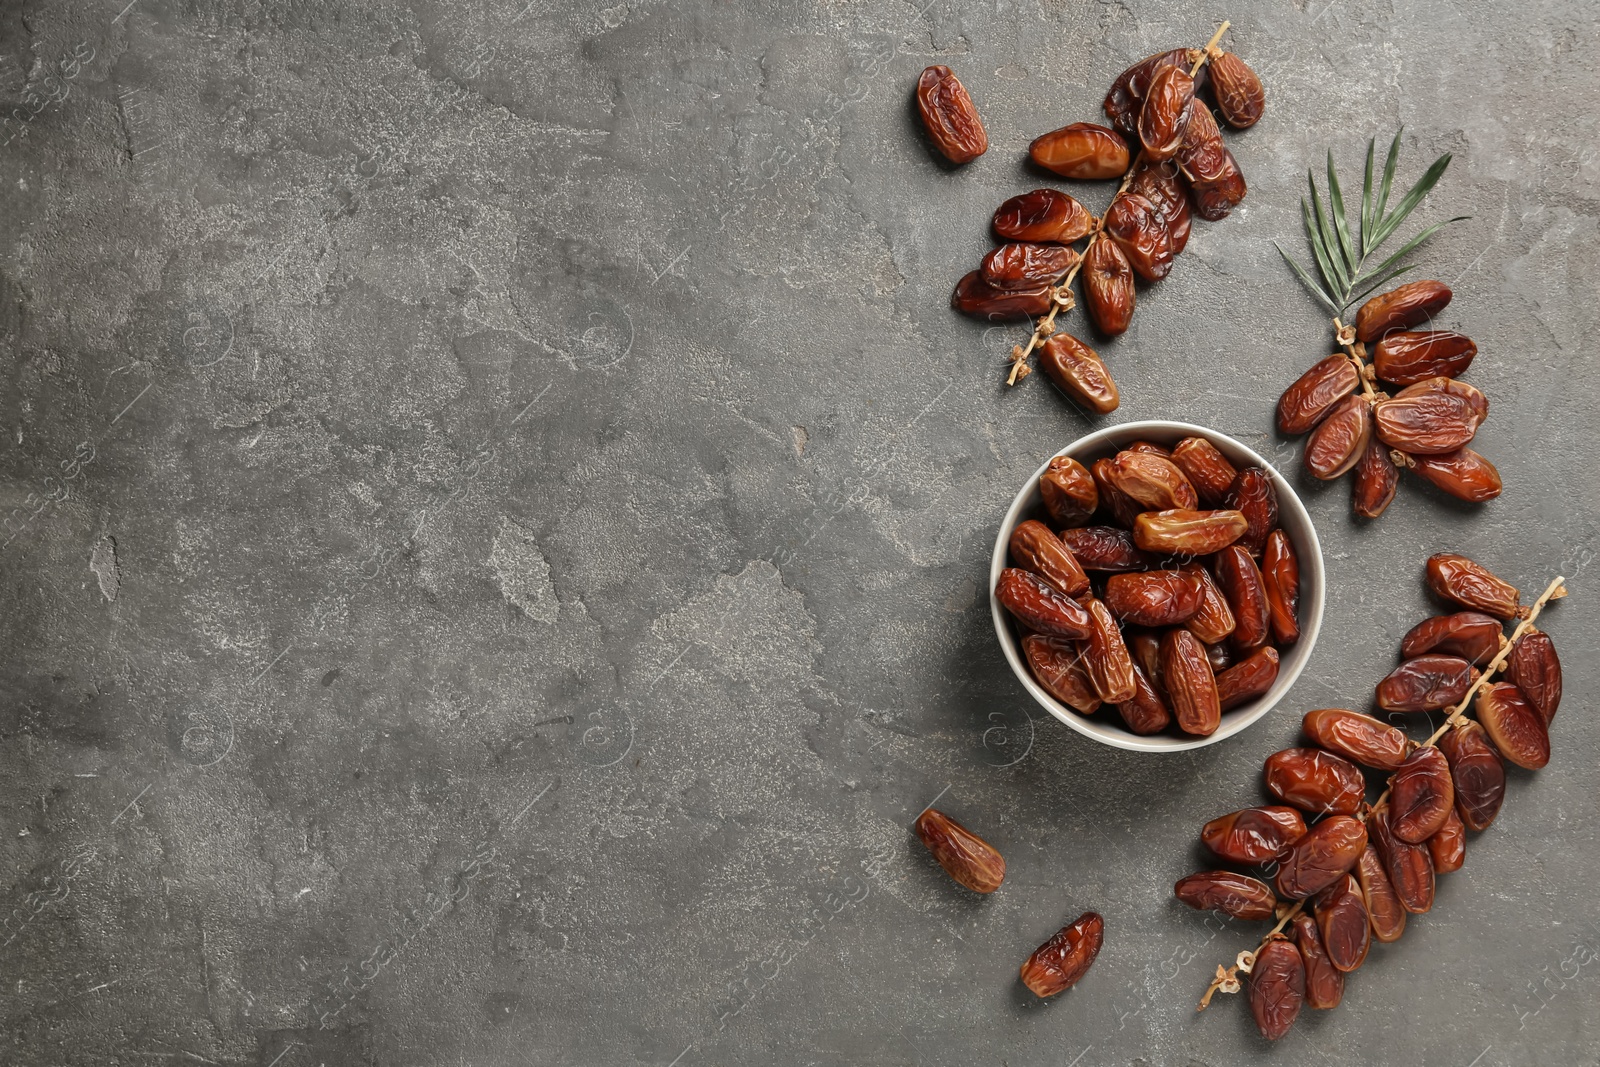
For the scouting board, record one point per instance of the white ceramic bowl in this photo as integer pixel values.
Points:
(1292, 517)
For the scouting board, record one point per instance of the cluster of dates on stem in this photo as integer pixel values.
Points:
(1166, 148)
(1335, 873)
(1424, 427)
(1167, 591)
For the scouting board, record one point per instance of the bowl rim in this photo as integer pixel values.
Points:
(1242, 717)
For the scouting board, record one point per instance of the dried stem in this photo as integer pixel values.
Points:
(1358, 355)
(1229, 977)
(1063, 299)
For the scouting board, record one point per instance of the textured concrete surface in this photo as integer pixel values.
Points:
(497, 507)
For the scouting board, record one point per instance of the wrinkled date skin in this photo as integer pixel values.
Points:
(1122, 508)
(1106, 548)
(1060, 962)
(1108, 292)
(1426, 683)
(1340, 439)
(1342, 920)
(1043, 215)
(1470, 393)
(1377, 479)
(1240, 97)
(1214, 621)
(1511, 723)
(1315, 781)
(1191, 687)
(1280, 573)
(1241, 582)
(1165, 113)
(1356, 737)
(1421, 796)
(1149, 448)
(1154, 598)
(948, 113)
(1253, 835)
(1081, 150)
(1324, 981)
(1410, 356)
(1180, 531)
(1237, 895)
(1215, 184)
(1106, 656)
(1476, 770)
(1247, 679)
(976, 297)
(1077, 371)
(1320, 858)
(1158, 183)
(1312, 395)
(1020, 265)
(1535, 669)
(1140, 231)
(1153, 481)
(1399, 308)
(1448, 848)
(1464, 474)
(1425, 423)
(1034, 548)
(1409, 867)
(1040, 606)
(1471, 585)
(1207, 469)
(1472, 635)
(1068, 491)
(965, 856)
(1125, 101)
(1277, 988)
(1057, 664)
(1145, 712)
(1253, 496)
(1146, 648)
(1384, 911)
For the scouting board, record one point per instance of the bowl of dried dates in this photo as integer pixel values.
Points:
(1157, 586)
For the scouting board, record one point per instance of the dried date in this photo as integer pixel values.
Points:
(1133, 223)
(1409, 867)
(1106, 548)
(1240, 97)
(950, 117)
(1384, 911)
(1068, 491)
(1241, 582)
(1153, 481)
(1040, 606)
(1324, 981)
(1411, 356)
(1340, 439)
(1448, 848)
(1034, 548)
(1253, 835)
(1421, 796)
(1106, 656)
(1377, 478)
(1472, 585)
(1342, 919)
(1518, 731)
(1317, 860)
(1060, 962)
(966, 857)
(1057, 664)
(1310, 398)
(1145, 712)
(1464, 474)
(1158, 183)
(1077, 371)
(1280, 575)
(1236, 895)
(1022, 265)
(1165, 112)
(1426, 423)
(1154, 598)
(1081, 150)
(1400, 308)
(1215, 184)
(1180, 531)
(1277, 988)
(1472, 635)
(1356, 737)
(1043, 215)
(1125, 100)
(1191, 687)
(1426, 683)
(1315, 781)
(1207, 469)
(1477, 772)
(1214, 621)
(1108, 292)
(1535, 669)
(976, 297)
(1253, 496)
(1247, 679)
(1122, 508)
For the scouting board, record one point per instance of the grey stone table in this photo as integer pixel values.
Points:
(498, 510)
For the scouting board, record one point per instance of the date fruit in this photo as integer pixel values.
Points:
(1122, 508)
(1060, 962)
(1277, 988)
(1253, 496)
(1237, 895)
(1317, 860)
(1356, 737)
(1139, 230)
(1022, 265)
(1145, 712)
(1153, 482)
(1324, 981)
(1409, 867)
(1126, 98)
(1448, 847)
(965, 856)
(1397, 309)
(1315, 393)
(1340, 439)
(1471, 585)
(1034, 548)
(1280, 575)
(1253, 835)
(1106, 548)
(1464, 474)
(1426, 423)
(1158, 183)
(1518, 731)
(1342, 919)
(1057, 664)
(1411, 356)
(976, 297)
(1068, 491)
(1077, 371)
(1315, 781)
(1247, 679)
(1043, 215)
(1384, 911)
(1240, 97)
(950, 117)
(1215, 184)
(1535, 669)
(1421, 796)
(1472, 635)
(1191, 687)
(1180, 531)
(1165, 113)
(1154, 598)
(1081, 150)
(1426, 683)
(1040, 606)
(1476, 770)
(1207, 469)
(1377, 478)
(1214, 621)
(1241, 582)
(1106, 656)
(1470, 393)
(1108, 292)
